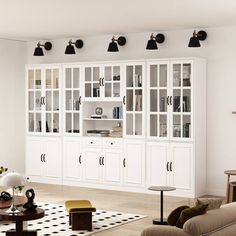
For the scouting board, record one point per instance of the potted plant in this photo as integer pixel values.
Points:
(3, 169)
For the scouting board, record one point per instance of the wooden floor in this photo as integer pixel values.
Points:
(145, 204)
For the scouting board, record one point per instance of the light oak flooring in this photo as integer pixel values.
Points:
(144, 204)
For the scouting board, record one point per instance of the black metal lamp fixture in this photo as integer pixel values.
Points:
(39, 51)
(113, 45)
(194, 40)
(152, 42)
(70, 48)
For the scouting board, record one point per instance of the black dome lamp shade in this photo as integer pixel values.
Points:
(113, 47)
(39, 51)
(194, 40)
(152, 42)
(70, 48)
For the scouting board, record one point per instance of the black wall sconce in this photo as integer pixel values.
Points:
(152, 42)
(113, 45)
(70, 48)
(194, 40)
(39, 51)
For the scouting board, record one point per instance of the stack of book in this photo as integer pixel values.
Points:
(118, 112)
(116, 132)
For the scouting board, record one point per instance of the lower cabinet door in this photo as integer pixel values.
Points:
(158, 164)
(72, 159)
(182, 166)
(112, 167)
(134, 162)
(92, 165)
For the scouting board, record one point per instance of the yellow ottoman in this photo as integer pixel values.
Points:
(80, 214)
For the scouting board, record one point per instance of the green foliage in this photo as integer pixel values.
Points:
(3, 169)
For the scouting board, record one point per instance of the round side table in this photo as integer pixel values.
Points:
(161, 189)
(228, 173)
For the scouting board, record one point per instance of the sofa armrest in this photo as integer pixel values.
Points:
(163, 230)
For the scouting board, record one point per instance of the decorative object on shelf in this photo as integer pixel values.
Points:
(3, 169)
(117, 131)
(113, 47)
(118, 112)
(29, 205)
(194, 40)
(98, 111)
(99, 133)
(70, 48)
(5, 196)
(98, 116)
(13, 180)
(152, 42)
(39, 51)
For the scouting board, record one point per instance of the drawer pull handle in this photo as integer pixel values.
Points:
(80, 159)
(167, 166)
(111, 143)
(171, 166)
(124, 162)
(91, 142)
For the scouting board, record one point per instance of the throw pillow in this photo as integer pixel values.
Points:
(174, 215)
(189, 213)
(213, 203)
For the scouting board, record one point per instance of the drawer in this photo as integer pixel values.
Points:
(93, 143)
(112, 144)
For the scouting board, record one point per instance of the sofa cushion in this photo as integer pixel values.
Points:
(189, 213)
(212, 221)
(213, 203)
(175, 214)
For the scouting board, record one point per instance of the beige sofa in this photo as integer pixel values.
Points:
(219, 222)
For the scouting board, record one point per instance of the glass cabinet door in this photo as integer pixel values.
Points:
(92, 81)
(35, 100)
(52, 100)
(134, 88)
(158, 100)
(181, 100)
(72, 101)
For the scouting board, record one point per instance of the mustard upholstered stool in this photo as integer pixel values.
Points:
(80, 214)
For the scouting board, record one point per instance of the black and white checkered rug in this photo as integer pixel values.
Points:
(56, 221)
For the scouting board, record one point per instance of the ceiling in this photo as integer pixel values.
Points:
(52, 19)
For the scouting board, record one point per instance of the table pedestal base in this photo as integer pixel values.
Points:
(159, 222)
(22, 233)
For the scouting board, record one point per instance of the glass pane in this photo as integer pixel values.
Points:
(68, 122)
(138, 100)
(68, 100)
(138, 124)
(163, 76)
(153, 100)
(138, 75)
(76, 121)
(153, 76)
(129, 124)
(96, 74)
(38, 79)
(31, 101)
(116, 89)
(87, 90)
(116, 73)
(48, 122)
(76, 77)
(76, 105)
(31, 79)
(56, 100)
(176, 75)
(176, 100)
(129, 76)
(186, 126)
(176, 126)
(107, 89)
(186, 75)
(162, 102)
(129, 100)
(186, 100)
(31, 122)
(107, 73)
(96, 90)
(88, 74)
(55, 123)
(153, 125)
(48, 101)
(163, 125)
(38, 100)
(68, 78)
(48, 79)
(38, 123)
(55, 78)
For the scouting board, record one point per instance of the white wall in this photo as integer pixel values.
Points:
(12, 61)
(219, 49)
